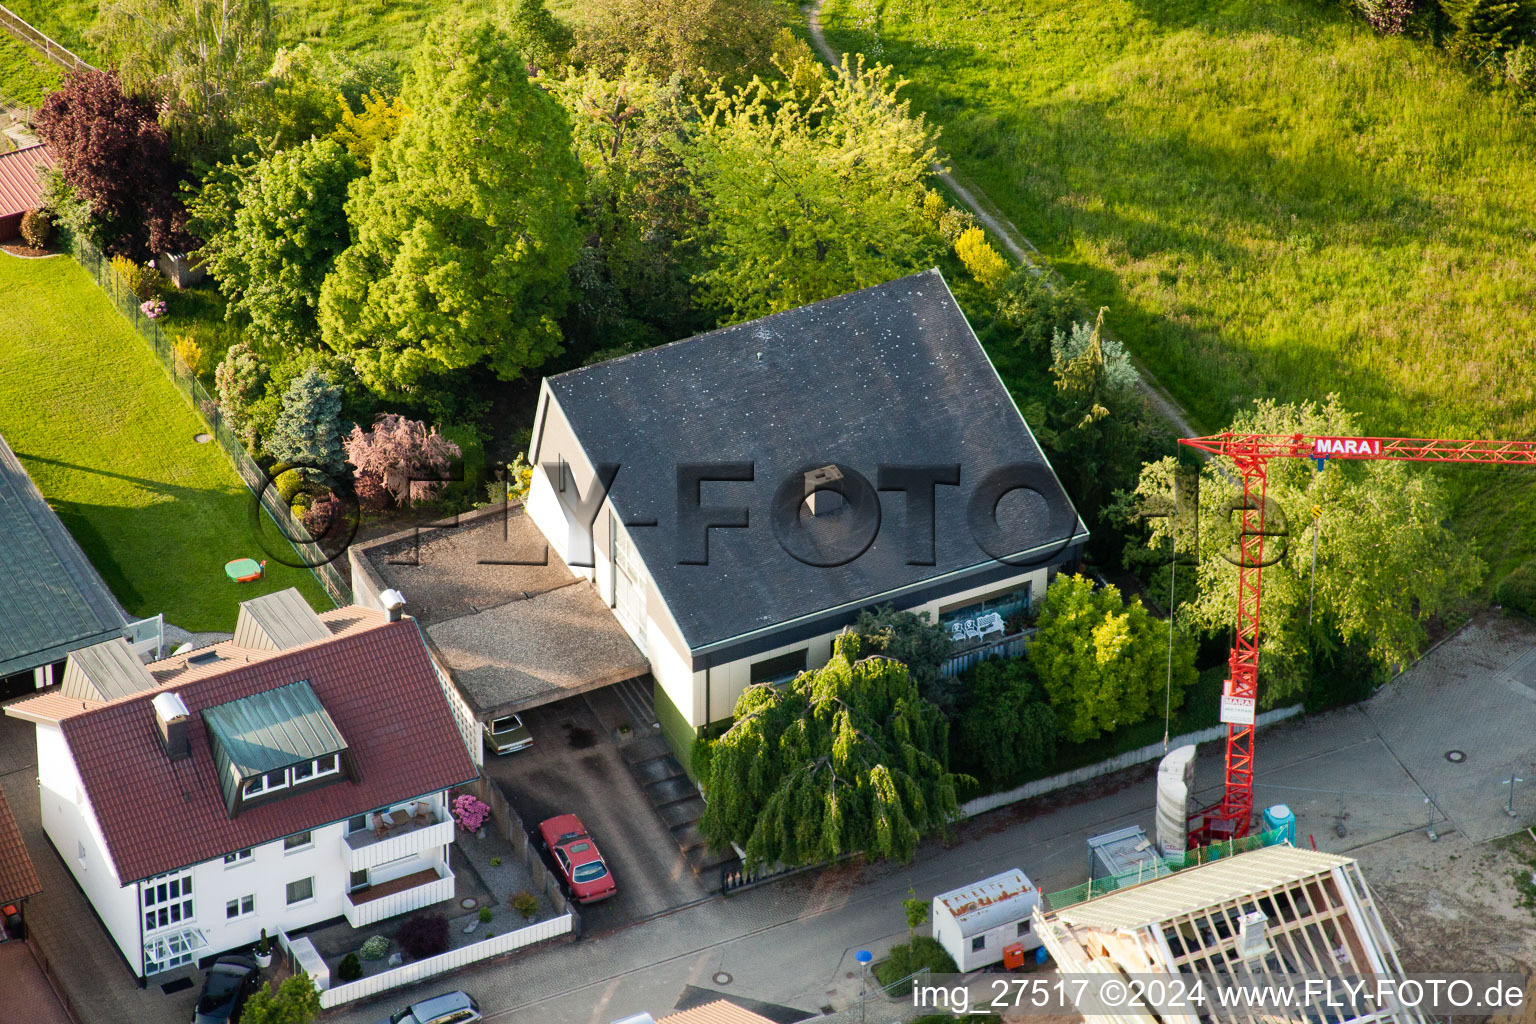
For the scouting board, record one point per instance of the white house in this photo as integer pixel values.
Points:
(295, 774)
(737, 498)
(975, 924)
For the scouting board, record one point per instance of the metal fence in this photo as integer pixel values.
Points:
(310, 554)
(41, 41)
(1011, 646)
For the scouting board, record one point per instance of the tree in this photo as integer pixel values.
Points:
(1385, 558)
(116, 159)
(810, 199)
(401, 454)
(240, 380)
(1102, 662)
(306, 93)
(1483, 27)
(204, 58)
(374, 124)
(916, 911)
(844, 759)
(308, 431)
(466, 226)
(542, 39)
(700, 41)
(295, 1002)
(289, 227)
(918, 643)
(1006, 731)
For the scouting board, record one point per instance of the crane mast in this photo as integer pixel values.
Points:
(1232, 816)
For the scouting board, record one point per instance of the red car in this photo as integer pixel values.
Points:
(576, 852)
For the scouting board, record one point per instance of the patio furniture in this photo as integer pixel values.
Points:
(421, 813)
(957, 632)
(380, 826)
(244, 570)
(400, 817)
(992, 622)
(971, 632)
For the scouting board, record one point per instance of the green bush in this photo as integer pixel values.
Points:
(525, 903)
(350, 968)
(1007, 732)
(911, 957)
(374, 948)
(466, 473)
(1518, 590)
(289, 483)
(485, 915)
(138, 278)
(37, 228)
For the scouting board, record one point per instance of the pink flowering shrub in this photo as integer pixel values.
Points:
(470, 812)
(153, 308)
(401, 454)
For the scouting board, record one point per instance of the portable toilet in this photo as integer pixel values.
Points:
(976, 923)
(1281, 817)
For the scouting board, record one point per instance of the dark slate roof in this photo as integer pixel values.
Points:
(891, 374)
(18, 878)
(266, 731)
(377, 685)
(51, 599)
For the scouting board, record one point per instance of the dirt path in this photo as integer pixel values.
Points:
(1020, 247)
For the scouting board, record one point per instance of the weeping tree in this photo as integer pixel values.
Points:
(848, 758)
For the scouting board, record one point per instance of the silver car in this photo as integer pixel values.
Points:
(449, 1008)
(506, 734)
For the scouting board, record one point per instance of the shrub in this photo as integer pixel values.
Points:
(294, 1002)
(470, 812)
(350, 968)
(1006, 731)
(1032, 307)
(371, 494)
(495, 862)
(374, 948)
(403, 455)
(153, 308)
(300, 504)
(423, 935)
(326, 512)
(37, 228)
(289, 483)
(485, 915)
(1518, 590)
(525, 903)
(910, 957)
(240, 380)
(191, 355)
(138, 278)
(986, 266)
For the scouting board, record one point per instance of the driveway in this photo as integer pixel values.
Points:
(574, 766)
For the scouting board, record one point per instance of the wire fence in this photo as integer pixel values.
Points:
(41, 41)
(1167, 865)
(311, 555)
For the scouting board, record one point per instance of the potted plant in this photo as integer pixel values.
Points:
(264, 951)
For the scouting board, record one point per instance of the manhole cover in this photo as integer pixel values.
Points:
(721, 978)
(466, 903)
(1455, 756)
(202, 438)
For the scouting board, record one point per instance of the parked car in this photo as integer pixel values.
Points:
(227, 984)
(448, 1008)
(575, 851)
(506, 734)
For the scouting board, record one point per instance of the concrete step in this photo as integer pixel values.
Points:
(646, 748)
(668, 790)
(681, 812)
(657, 769)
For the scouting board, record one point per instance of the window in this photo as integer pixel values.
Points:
(301, 891)
(167, 900)
(962, 622)
(978, 943)
(327, 764)
(780, 669)
(357, 823)
(298, 842)
(80, 852)
(266, 783)
(240, 907)
(238, 857)
(1023, 928)
(301, 772)
(357, 880)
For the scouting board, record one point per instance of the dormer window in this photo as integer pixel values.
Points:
(273, 741)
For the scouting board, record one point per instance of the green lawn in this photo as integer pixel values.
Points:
(1272, 200)
(25, 74)
(108, 439)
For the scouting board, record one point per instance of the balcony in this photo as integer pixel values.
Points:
(398, 896)
(971, 653)
(370, 847)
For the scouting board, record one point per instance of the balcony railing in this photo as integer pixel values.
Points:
(1011, 646)
(398, 896)
(368, 847)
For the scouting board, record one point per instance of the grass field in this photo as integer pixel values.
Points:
(25, 74)
(1272, 201)
(108, 439)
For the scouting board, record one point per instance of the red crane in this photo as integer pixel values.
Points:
(1233, 815)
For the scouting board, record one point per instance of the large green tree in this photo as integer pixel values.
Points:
(1104, 663)
(1385, 558)
(1006, 729)
(290, 226)
(699, 41)
(308, 433)
(917, 642)
(847, 758)
(466, 226)
(810, 197)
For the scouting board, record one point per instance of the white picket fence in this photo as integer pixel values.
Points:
(409, 974)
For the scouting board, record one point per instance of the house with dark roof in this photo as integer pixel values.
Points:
(295, 774)
(736, 499)
(52, 600)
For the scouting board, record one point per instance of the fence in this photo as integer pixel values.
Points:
(411, 973)
(310, 554)
(1003, 647)
(46, 44)
(1169, 865)
(511, 827)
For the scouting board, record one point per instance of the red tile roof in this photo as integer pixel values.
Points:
(377, 685)
(19, 188)
(18, 879)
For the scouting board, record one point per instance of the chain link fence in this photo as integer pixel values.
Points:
(311, 555)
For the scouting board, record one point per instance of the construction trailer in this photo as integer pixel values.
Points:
(1244, 920)
(975, 924)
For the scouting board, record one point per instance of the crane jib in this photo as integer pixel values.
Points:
(1324, 446)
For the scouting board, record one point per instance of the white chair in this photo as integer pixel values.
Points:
(971, 632)
(957, 632)
(992, 622)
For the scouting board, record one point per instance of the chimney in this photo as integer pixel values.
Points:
(824, 491)
(394, 603)
(171, 718)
